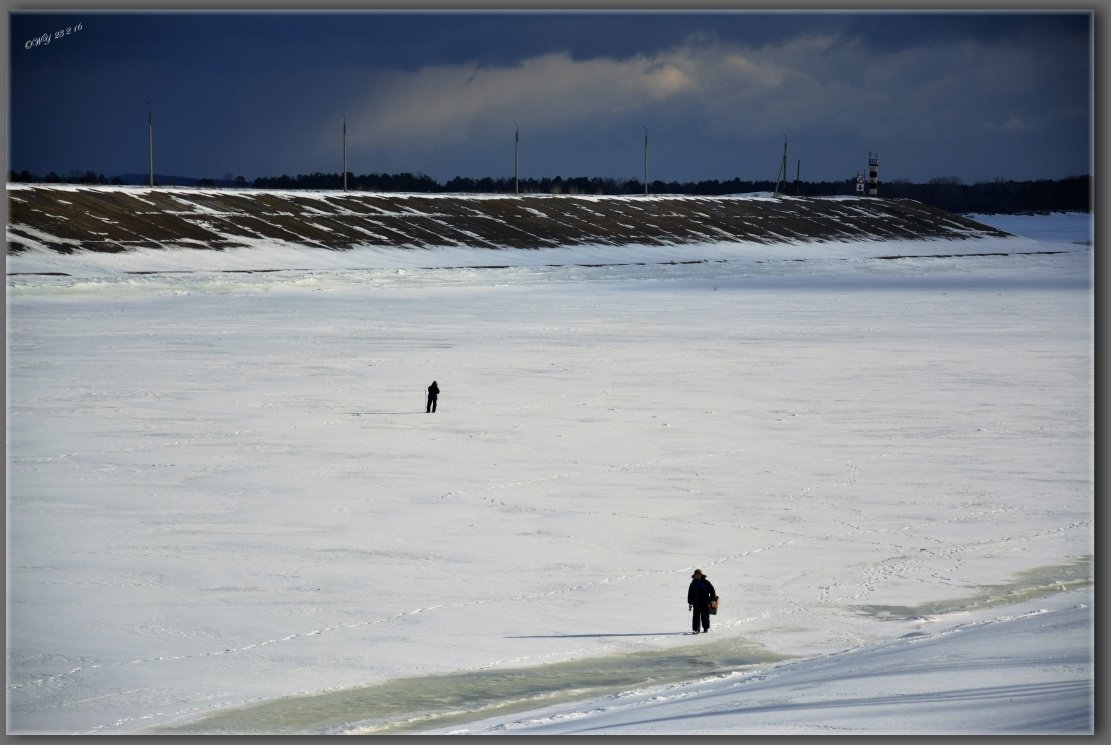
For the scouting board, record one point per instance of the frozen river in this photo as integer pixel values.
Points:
(223, 488)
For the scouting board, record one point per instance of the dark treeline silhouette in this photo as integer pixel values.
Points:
(1071, 194)
(1062, 195)
(369, 182)
(88, 177)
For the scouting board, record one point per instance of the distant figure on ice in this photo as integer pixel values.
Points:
(699, 595)
(433, 394)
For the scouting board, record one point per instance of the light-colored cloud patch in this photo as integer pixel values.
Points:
(667, 80)
(447, 104)
(811, 87)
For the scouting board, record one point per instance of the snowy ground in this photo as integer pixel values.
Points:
(223, 488)
(1027, 672)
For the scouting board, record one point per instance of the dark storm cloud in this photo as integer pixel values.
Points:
(973, 95)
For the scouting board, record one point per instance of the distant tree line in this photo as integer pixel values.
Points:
(369, 182)
(1071, 194)
(75, 177)
(1061, 195)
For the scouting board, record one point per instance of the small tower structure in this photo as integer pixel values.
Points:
(873, 174)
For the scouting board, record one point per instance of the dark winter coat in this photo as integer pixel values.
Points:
(433, 392)
(700, 593)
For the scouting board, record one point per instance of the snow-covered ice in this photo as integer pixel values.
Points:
(223, 489)
(1026, 673)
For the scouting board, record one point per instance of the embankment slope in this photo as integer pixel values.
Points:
(114, 219)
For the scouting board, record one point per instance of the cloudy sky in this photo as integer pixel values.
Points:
(978, 96)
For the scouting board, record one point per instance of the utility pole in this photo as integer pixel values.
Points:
(516, 158)
(150, 143)
(645, 160)
(781, 177)
(344, 151)
(798, 171)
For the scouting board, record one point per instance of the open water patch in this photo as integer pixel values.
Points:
(414, 704)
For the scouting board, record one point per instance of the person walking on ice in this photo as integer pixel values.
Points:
(433, 394)
(699, 595)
